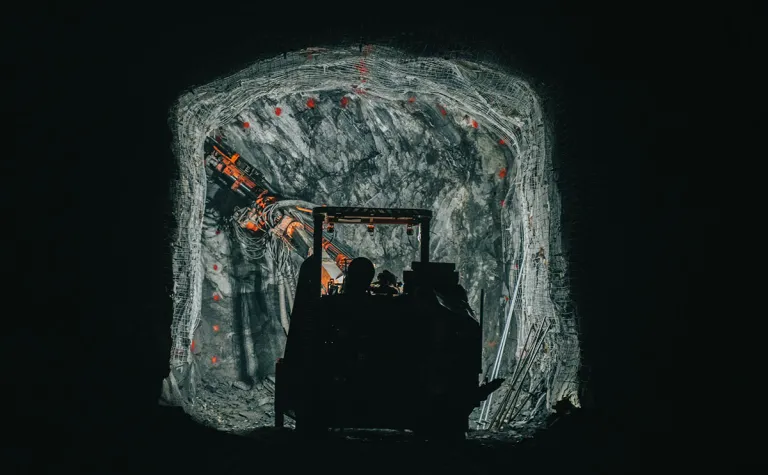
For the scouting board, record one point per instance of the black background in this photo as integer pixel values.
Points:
(87, 187)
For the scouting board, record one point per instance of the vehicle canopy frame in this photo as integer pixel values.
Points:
(330, 215)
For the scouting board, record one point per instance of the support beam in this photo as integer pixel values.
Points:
(425, 240)
(317, 251)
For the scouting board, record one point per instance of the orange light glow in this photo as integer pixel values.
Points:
(502, 173)
(278, 111)
(411, 99)
(246, 124)
(214, 359)
(311, 103)
(216, 297)
(501, 142)
(292, 228)
(474, 123)
(341, 261)
(192, 345)
(325, 279)
(215, 328)
(344, 101)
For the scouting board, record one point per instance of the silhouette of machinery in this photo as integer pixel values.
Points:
(410, 361)
(405, 361)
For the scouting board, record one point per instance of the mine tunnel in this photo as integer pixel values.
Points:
(368, 126)
(194, 310)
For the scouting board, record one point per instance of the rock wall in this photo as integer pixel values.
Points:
(371, 128)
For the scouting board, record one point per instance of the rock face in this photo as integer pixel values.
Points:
(357, 137)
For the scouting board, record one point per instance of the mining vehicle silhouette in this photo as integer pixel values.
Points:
(404, 362)
(409, 361)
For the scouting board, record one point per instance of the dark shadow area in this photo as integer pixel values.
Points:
(243, 301)
(262, 328)
(92, 99)
(225, 202)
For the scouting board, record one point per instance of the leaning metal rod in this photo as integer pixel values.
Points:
(508, 395)
(484, 417)
(482, 299)
(519, 364)
(502, 403)
(504, 336)
(497, 364)
(526, 349)
(529, 365)
(507, 416)
(283, 310)
(493, 421)
(519, 369)
(525, 401)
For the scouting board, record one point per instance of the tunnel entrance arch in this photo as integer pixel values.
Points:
(459, 96)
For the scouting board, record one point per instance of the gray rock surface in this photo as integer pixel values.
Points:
(461, 138)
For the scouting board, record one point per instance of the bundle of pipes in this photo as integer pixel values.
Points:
(486, 407)
(253, 246)
(508, 408)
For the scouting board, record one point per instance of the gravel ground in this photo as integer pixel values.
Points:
(234, 407)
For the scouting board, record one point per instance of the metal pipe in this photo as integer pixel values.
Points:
(529, 351)
(529, 364)
(317, 253)
(522, 404)
(293, 204)
(502, 404)
(484, 417)
(497, 363)
(515, 374)
(425, 240)
(518, 369)
(509, 316)
(511, 406)
(482, 299)
(283, 313)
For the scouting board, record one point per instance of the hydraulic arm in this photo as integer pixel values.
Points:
(286, 223)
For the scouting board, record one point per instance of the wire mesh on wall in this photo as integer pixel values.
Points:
(546, 371)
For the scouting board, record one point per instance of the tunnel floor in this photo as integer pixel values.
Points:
(578, 443)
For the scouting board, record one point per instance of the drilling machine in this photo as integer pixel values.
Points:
(406, 362)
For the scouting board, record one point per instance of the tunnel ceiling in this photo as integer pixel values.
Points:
(376, 153)
(375, 128)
